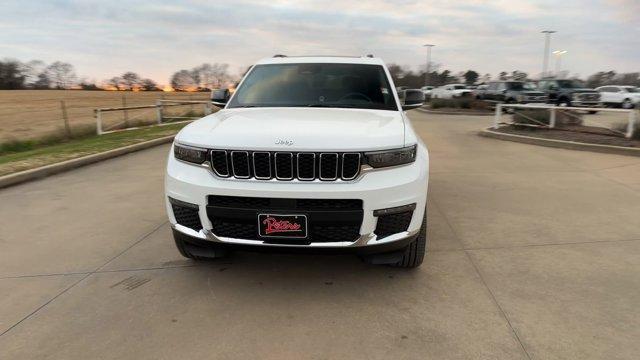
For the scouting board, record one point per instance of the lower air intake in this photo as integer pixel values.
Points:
(186, 214)
(393, 224)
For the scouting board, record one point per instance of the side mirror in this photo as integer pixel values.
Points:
(220, 97)
(413, 98)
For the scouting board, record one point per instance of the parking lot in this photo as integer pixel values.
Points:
(534, 253)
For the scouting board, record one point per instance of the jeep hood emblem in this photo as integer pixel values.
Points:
(286, 142)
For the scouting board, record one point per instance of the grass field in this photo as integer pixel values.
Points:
(29, 114)
(45, 155)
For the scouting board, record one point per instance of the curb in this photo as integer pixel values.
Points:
(44, 171)
(436, 112)
(571, 145)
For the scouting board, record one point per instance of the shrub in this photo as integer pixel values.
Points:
(458, 103)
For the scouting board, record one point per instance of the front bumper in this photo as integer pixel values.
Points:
(589, 104)
(377, 188)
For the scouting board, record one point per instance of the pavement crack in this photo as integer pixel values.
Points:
(484, 283)
(86, 275)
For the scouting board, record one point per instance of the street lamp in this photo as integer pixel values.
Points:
(547, 39)
(558, 54)
(427, 80)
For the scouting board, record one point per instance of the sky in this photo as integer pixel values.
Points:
(103, 39)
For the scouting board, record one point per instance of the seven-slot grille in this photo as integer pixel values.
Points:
(283, 165)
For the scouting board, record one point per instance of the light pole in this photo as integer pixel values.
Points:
(558, 54)
(547, 39)
(427, 79)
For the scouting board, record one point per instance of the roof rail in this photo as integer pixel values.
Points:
(340, 56)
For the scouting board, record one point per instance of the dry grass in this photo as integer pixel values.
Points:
(30, 114)
(45, 155)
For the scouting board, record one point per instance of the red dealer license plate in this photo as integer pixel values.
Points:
(282, 226)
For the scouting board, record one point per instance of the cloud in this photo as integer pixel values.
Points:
(103, 39)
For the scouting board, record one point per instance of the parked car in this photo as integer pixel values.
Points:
(427, 91)
(513, 92)
(309, 154)
(569, 92)
(450, 91)
(478, 92)
(626, 97)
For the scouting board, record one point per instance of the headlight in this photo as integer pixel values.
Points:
(521, 97)
(190, 154)
(576, 96)
(378, 159)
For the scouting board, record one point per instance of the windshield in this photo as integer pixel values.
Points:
(632, 89)
(459, 87)
(323, 85)
(570, 84)
(517, 86)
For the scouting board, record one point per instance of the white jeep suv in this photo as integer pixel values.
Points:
(309, 154)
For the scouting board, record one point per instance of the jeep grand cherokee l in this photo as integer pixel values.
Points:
(308, 154)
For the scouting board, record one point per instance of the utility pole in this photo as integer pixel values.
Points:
(558, 54)
(547, 40)
(427, 79)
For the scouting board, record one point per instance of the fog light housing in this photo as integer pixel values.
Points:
(393, 220)
(394, 210)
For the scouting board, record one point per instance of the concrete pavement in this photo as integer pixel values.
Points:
(534, 254)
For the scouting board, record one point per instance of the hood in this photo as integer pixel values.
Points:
(580, 91)
(306, 129)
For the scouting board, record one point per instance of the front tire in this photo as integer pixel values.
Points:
(415, 251)
(564, 102)
(627, 104)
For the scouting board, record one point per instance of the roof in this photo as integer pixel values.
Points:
(322, 59)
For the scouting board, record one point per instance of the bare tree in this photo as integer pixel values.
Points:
(210, 76)
(43, 82)
(61, 74)
(183, 81)
(519, 75)
(149, 85)
(470, 77)
(32, 71)
(485, 78)
(11, 76)
(131, 80)
(116, 82)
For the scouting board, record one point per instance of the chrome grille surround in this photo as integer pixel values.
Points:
(280, 162)
(242, 155)
(328, 157)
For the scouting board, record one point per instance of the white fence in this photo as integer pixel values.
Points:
(631, 119)
(160, 117)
